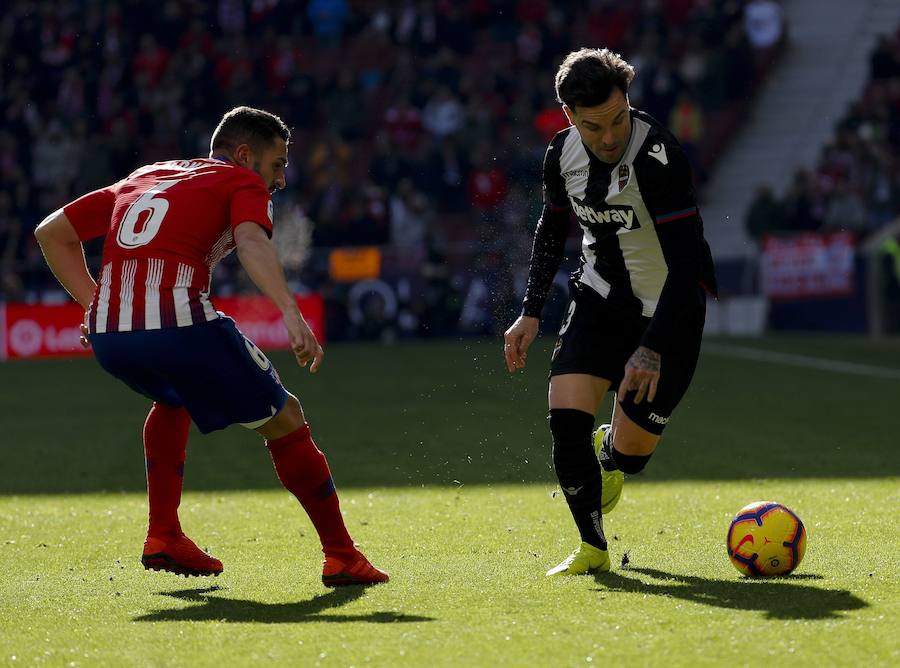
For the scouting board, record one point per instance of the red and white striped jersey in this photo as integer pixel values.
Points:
(166, 226)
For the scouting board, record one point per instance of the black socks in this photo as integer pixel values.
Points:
(611, 459)
(578, 471)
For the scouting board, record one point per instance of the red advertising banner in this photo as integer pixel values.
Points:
(260, 320)
(808, 266)
(35, 330)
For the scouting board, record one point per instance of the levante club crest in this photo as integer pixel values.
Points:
(623, 177)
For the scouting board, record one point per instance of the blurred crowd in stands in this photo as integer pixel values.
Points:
(419, 125)
(856, 184)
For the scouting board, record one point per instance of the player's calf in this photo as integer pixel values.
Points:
(578, 471)
(613, 459)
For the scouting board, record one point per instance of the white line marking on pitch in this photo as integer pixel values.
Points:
(756, 354)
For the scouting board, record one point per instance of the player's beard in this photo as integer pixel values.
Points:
(257, 167)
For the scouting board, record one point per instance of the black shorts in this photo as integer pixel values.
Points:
(597, 338)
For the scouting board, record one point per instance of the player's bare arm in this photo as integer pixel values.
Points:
(641, 375)
(517, 339)
(260, 260)
(65, 256)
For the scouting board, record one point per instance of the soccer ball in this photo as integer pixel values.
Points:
(766, 539)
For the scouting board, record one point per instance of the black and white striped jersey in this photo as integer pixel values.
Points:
(643, 245)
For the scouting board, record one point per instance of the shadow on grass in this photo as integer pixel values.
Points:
(778, 598)
(214, 608)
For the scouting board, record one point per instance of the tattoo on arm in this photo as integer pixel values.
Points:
(645, 359)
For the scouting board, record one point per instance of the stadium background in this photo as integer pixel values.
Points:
(419, 129)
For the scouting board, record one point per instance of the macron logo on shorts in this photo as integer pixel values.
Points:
(658, 419)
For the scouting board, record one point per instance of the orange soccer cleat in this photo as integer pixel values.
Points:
(180, 556)
(355, 569)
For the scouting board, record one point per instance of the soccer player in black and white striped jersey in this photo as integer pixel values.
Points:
(638, 298)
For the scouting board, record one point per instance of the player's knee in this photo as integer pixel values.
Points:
(289, 419)
(571, 430)
(292, 410)
(630, 464)
(569, 426)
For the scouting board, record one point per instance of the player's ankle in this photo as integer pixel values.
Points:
(341, 552)
(630, 464)
(607, 460)
(595, 542)
(165, 533)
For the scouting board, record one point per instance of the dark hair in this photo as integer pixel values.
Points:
(246, 125)
(587, 77)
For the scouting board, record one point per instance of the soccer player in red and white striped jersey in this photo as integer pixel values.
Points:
(156, 275)
(151, 324)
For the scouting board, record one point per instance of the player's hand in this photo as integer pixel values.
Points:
(303, 342)
(83, 339)
(517, 340)
(641, 375)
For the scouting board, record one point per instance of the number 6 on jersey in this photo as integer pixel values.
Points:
(129, 236)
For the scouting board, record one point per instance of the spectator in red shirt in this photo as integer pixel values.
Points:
(151, 60)
(488, 183)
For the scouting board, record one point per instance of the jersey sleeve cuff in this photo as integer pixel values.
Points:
(531, 309)
(266, 227)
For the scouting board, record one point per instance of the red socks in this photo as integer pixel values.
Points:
(304, 472)
(165, 442)
(301, 467)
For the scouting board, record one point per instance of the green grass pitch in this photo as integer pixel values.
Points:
(442, 461)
